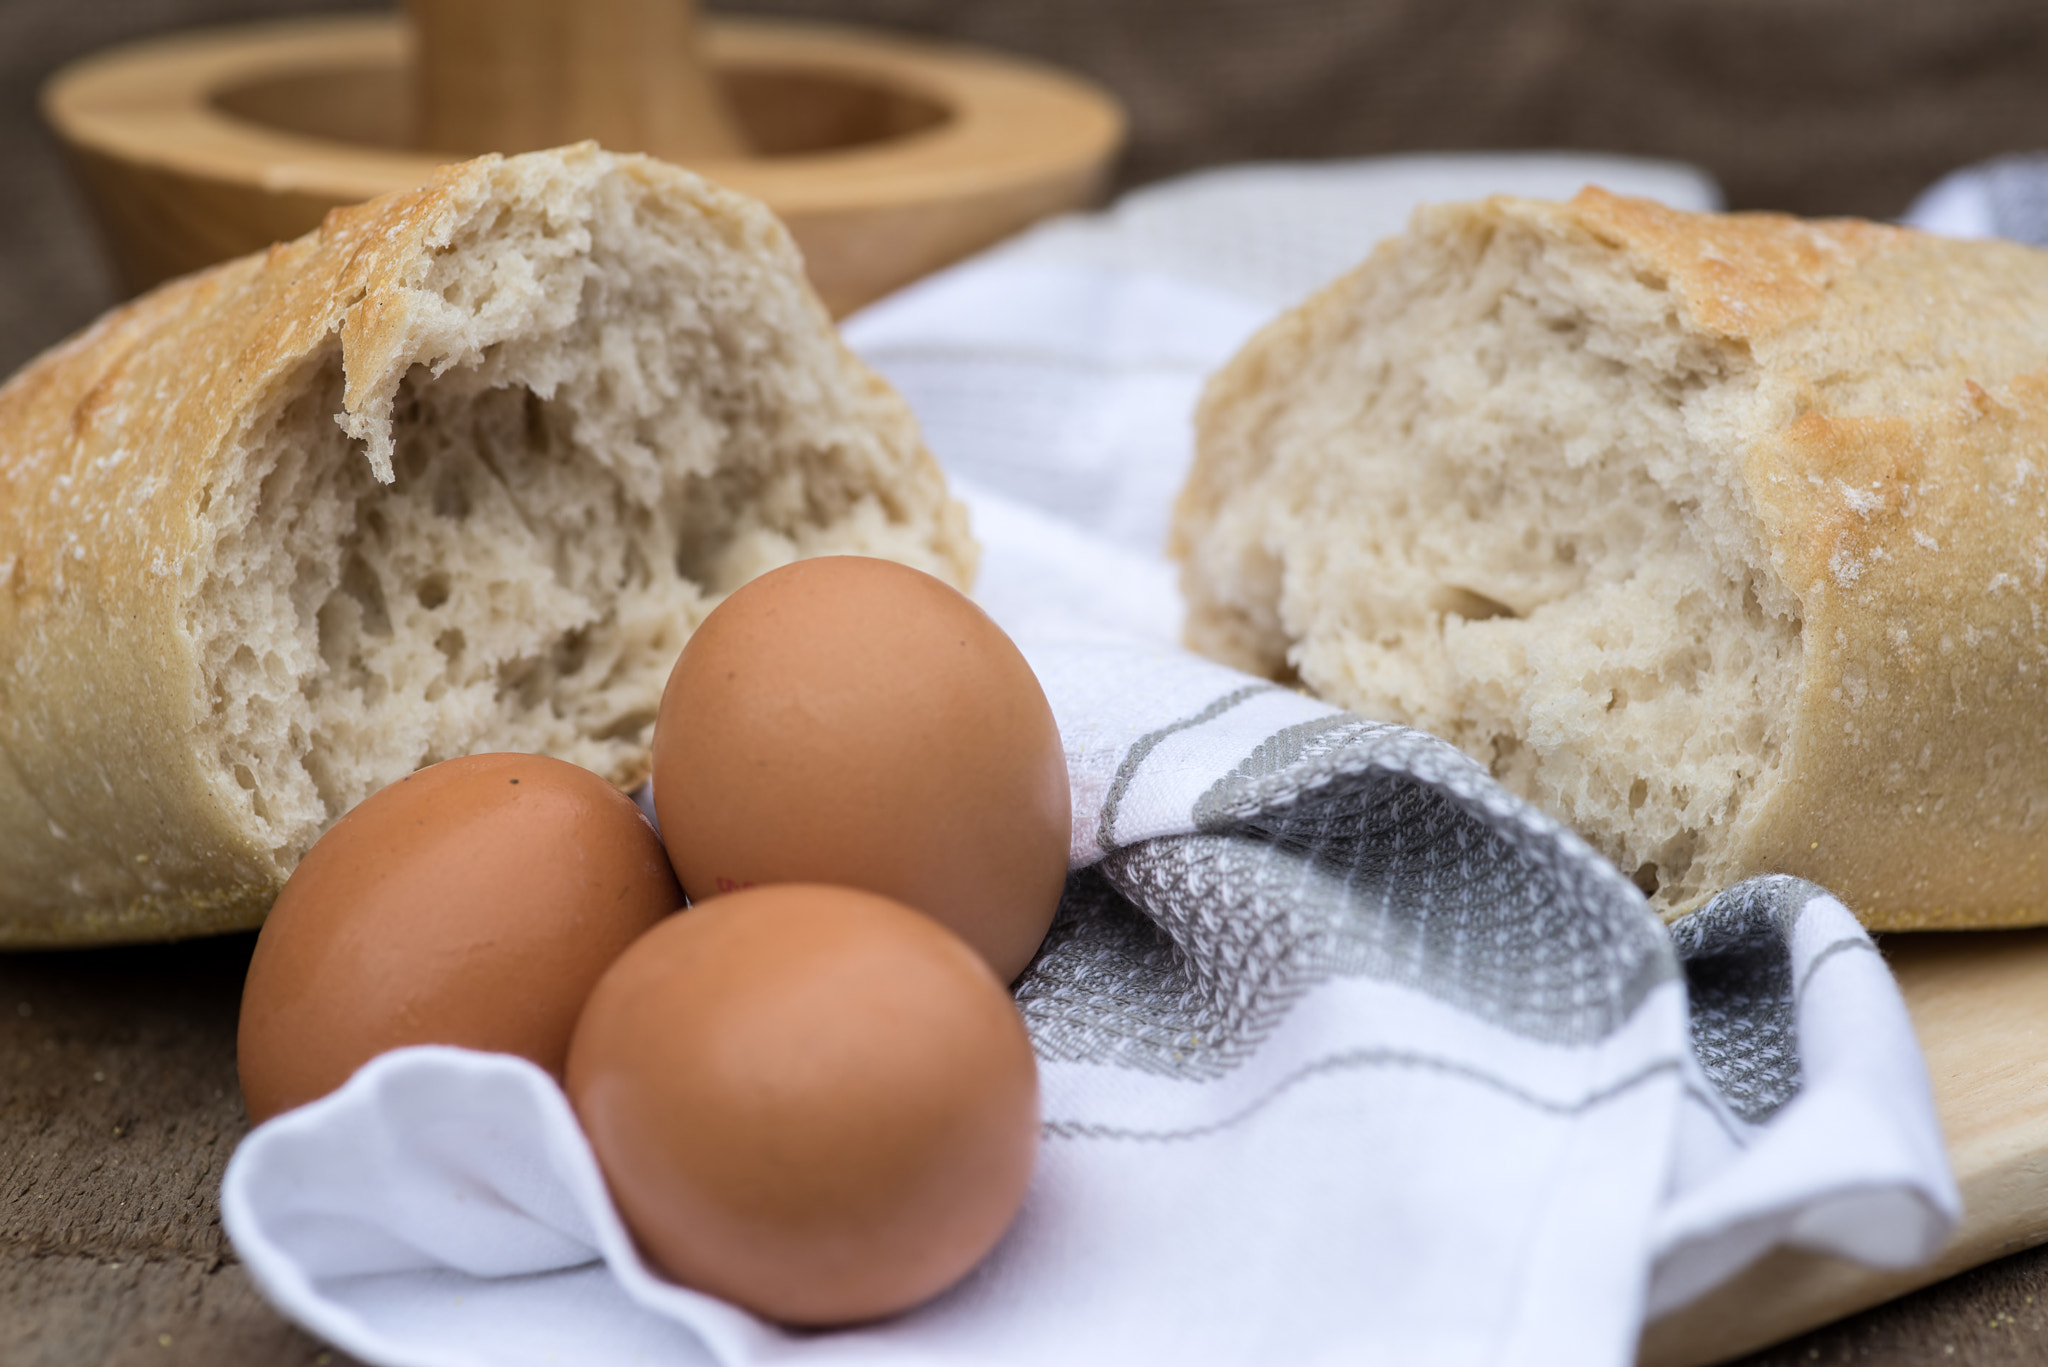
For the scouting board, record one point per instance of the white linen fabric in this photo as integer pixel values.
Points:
(2004, 197)
(1346, 1054)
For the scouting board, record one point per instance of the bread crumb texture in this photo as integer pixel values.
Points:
(460, 471)
(1722, 537)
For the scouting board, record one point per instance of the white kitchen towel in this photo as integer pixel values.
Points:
(2004, 197)
(1347, 1055)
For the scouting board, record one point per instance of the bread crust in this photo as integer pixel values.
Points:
(114, 821)
(1893, 465)
(111, 822)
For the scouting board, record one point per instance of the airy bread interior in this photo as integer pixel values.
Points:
(610, 414)
(1496, 508)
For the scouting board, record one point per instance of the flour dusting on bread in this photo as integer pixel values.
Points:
(1573, 485)
(476, 461)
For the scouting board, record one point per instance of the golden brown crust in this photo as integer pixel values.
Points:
(1894, 459)
(113, 822)
(1907, 510)
(98, 680)
(1917, 773)
(1742, 276)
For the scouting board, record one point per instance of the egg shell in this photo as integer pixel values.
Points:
(811, 1101)
(474, 903)
(853, 721)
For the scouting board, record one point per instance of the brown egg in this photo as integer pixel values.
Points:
(853, 721)
(474, 903)
(811, 1101)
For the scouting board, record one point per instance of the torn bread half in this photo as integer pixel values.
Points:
(1722, 537)
(459, 471)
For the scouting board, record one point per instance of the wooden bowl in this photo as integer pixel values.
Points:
(887, 157)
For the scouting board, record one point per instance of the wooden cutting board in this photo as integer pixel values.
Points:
(1980, 1004)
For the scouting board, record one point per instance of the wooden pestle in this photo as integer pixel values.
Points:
(520, 75)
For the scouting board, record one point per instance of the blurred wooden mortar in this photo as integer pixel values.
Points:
(887, 157)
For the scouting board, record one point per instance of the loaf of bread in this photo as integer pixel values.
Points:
(1722, 538)
(459, 471)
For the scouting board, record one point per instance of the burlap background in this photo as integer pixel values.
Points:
(118, 1104)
